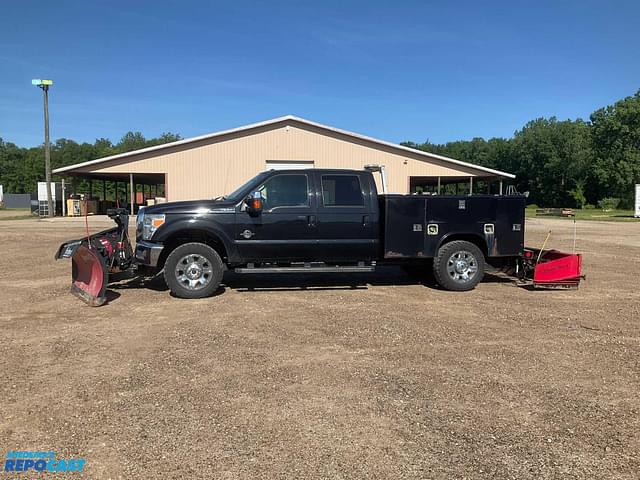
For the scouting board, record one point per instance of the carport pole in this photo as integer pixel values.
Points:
(64, 199)
(132, 192)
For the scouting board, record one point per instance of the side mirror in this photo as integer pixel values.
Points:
(254, 204)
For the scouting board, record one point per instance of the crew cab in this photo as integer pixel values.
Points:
(326, 220)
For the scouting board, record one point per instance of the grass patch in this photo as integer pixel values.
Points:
(593, 214)
(15, 214)
(17, 217)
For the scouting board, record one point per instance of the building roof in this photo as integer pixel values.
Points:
(273, 121)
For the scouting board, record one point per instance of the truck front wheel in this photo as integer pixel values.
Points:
(193, 270)
(459, 266)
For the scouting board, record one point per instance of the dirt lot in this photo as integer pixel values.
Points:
(348, 377)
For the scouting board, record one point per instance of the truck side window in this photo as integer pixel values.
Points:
(285, 191)
(341, 191)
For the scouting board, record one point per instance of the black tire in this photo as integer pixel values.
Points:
(193, 270)
(461, 276)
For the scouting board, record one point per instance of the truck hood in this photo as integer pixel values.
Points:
(190, 206)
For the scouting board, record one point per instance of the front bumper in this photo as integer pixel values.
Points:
(148, 253)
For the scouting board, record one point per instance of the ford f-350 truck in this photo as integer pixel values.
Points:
(304, 221)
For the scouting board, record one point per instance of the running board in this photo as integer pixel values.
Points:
(323, 269)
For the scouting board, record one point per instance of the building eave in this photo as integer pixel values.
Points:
(273, 121)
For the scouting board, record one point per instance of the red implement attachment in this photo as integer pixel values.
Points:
(89, 277)
(94, 258)
(554, 269)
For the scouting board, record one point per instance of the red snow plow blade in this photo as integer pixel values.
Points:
(554, 269)
(89, 277)
(93, 259)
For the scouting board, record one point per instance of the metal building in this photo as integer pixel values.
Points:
(211, 165)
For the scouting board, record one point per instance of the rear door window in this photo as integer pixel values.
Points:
(342, 191)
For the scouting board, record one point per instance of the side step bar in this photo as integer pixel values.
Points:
(308, 269)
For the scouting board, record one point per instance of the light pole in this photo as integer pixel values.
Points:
(44, 85)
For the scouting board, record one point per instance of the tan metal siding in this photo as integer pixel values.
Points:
(215, 167)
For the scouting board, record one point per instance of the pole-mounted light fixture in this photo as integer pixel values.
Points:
(44, 85)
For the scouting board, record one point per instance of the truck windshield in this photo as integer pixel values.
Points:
(237, 194)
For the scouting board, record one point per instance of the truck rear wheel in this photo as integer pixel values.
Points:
(459, 266)
(193, 270)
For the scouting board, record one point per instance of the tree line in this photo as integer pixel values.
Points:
(570, 163)
(22, 168)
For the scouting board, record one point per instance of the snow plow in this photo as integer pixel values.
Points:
(95, 257)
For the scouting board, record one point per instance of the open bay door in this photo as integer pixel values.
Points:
(289, 164)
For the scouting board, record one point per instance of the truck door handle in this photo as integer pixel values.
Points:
(311, 220)
(365, 220)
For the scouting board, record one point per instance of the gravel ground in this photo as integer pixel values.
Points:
(368, 376)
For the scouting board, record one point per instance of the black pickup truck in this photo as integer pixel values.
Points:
(321, 220)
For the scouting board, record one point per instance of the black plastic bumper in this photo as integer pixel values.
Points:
(148, 253)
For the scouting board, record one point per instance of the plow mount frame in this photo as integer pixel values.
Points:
(94, 257)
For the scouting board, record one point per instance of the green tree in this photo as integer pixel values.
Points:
(166, 137)
(131, 141)
(552, 159)
(615, 140)
(103, 147)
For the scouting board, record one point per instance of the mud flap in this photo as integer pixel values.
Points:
(89, 272)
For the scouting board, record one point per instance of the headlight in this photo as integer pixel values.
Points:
(151, 223)
(139, 221)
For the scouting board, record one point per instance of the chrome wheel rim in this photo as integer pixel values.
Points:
(462, 266)
(194, 272)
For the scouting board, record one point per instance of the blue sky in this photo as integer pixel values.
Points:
(396, 70)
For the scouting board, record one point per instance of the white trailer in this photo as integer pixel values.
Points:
(637, 213)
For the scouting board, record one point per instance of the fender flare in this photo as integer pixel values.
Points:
(209, 226)
(480, 242)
